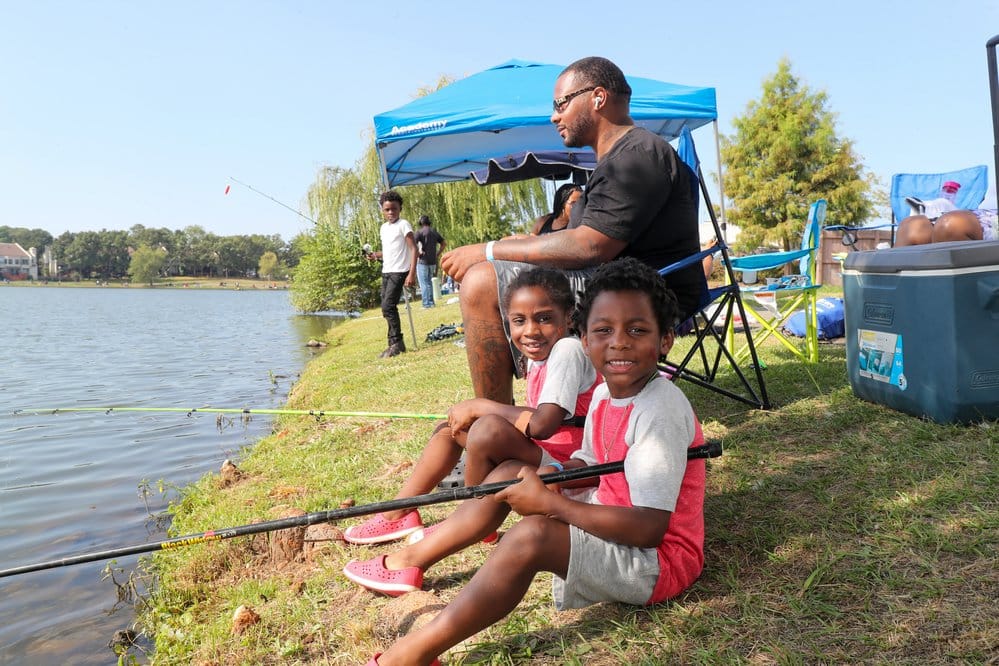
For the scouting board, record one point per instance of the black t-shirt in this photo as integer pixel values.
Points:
(429, 239)
(642, 193)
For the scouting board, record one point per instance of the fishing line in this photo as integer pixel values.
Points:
(280, 203)
(708, 450)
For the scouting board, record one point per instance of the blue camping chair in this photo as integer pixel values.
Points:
(702, 362)
(772, 305)
(925, 186)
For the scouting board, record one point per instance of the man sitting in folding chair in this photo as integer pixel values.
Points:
(637, 203)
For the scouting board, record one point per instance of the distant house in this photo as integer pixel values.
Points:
(16, 263)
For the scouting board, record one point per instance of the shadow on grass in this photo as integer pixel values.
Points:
(837, 531)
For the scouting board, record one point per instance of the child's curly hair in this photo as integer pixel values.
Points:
(552, 281)
(629, 274)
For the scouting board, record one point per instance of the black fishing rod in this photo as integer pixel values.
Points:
(708, 450)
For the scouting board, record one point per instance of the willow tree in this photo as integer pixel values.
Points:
(785, 154)
(333, 273)
(146, 264)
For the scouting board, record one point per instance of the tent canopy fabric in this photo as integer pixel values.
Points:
(503, 112)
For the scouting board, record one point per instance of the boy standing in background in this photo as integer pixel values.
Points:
(398, 257)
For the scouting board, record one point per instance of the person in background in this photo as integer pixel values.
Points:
(430, 243)
(398, 257)
(638, 202)
(566, 197)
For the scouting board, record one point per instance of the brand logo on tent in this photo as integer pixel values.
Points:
(426, 126)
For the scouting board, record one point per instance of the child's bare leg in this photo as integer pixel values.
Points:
(439, 457)
(492, 440)
(472, 521)
(535, 544)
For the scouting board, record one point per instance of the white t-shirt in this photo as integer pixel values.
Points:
(395, 255)
(660, 430)
(569, 374)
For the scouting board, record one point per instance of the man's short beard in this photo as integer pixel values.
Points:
(575, 134)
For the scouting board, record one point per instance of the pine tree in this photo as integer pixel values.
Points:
(784, 156)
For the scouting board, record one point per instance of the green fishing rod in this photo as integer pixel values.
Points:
(318, 413)
(708, 450)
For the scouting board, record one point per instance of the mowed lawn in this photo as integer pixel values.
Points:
(838, 531)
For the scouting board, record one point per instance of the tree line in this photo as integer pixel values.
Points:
(783, 155)
(192, 251)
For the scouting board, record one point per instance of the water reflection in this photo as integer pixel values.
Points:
(75, 483)
(316, 326)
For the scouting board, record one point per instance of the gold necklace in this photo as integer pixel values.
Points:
(624, 418)
(609, 443)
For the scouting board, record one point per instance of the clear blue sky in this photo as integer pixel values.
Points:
(122, 113)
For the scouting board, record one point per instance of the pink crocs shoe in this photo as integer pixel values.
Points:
(379, 530)
(422, 533)
(373, 575)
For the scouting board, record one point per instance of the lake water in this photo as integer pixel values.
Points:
(72, 483)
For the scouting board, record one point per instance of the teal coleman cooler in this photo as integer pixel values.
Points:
(922, 329)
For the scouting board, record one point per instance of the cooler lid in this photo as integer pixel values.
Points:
(955, 254)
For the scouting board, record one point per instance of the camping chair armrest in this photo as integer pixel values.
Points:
(692, 259)
(845, 227)
(760, 262)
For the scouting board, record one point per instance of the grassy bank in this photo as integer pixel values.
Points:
(837, 531)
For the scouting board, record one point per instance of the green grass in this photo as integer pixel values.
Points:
(838, 531)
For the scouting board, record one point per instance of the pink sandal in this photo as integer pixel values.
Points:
(373, 575)
(380, 530)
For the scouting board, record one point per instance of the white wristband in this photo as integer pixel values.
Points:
(557, 465)
(489, 250)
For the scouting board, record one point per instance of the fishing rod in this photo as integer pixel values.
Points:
(409, 313)
(280, 203)
(708, 450)
(318, 413)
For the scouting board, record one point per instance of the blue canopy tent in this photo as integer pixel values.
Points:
(503, 112)
(496, 126)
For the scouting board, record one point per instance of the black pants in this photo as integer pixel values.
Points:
(392, 284)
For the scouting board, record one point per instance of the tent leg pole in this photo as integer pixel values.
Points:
(721, 185)
(990, 52)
